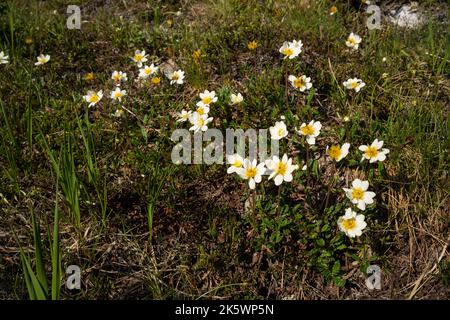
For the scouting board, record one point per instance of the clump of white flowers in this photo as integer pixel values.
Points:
(252, 171)
(118, 77)
(176, 77)
(139, 57)
(301, 83)
(375, 152)
(147, 71)
(337, 152)
(199, 122)
(236, 162)
(42, 59)
(354, 84)
(278, 131)
(207, 98)
(352, 224)
(93, 97)
(353, 41)
(184, 115)
(118, 94)
(236, 98)
(359, 195)
(310, 131)
(291, 49)
(280, 169)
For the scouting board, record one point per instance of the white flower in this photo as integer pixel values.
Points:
(311, 131)
(93, 97)
(301, 83)
(235, 99)
(355, 84)
(351, 223)
(201, 110)
(3, 58)
(147, 71)
(176, 77)
(184, 115)
(337, 152)
(353, 41)
(206, 98)
(373, 152)
(278, 131)
(42, 59)
(139, 57)
(359, 195)
(117, 94)
(119, 76)
(236, 162)
(291, 49)
(199, 122)
(119, 112)
(297, 45)
(280, 169)
(252, 172)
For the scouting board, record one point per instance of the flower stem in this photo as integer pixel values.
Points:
(330, 185)
(278, 201)
(286, 83)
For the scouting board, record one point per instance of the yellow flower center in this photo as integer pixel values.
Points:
(252, 45)
(175, 76)
(335, 152)
(298, 82)
(89, 76)
(333, 10)
(353, 85)
(281, 168)
(250, 172)
(237, 163)
(206, 100)
(94, 98)
(357, 194)
(280, 132)
(351, 40)
(117, 94)
(288, 52)
(147, 70)
(42, 60)
(156, 80)
(200, 111)
(307, 130)
(349, 224)
(138, 57)
(117, 77)
(201, 122)
(371, 152)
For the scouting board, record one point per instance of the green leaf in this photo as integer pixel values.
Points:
(336, 268)
(56, 256)
(26, 275)
(38, 290)
(339, 282)
(40, 266)
(321, 242)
